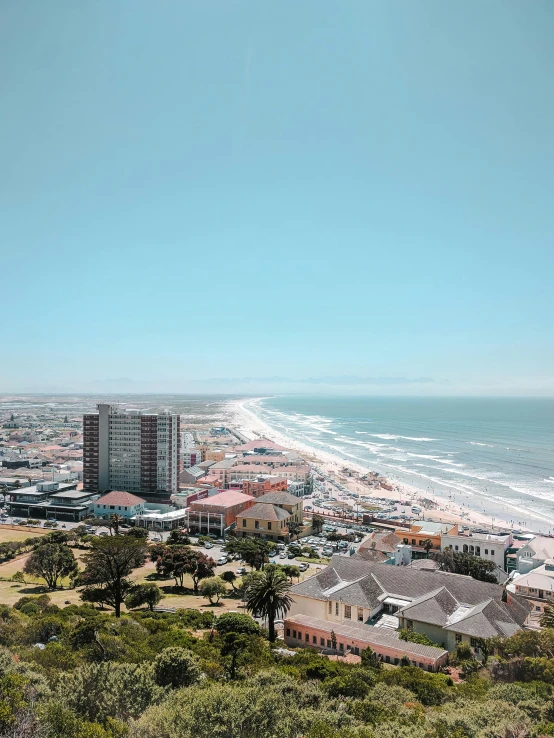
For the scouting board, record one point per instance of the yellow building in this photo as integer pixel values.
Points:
(271, 517)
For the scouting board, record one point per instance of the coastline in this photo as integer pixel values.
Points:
(446, 510)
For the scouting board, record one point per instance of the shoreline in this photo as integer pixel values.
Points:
(445, 510)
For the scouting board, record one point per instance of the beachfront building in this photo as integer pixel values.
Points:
(353, 637)
(534, 553)
(428, 602)
(130, 450)
(489, 546)
(537, 586)
(124, 504)
(422, 531)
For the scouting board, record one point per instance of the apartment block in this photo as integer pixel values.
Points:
(130, 450)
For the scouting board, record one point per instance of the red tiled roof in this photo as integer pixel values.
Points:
(228, 498)
(119, 498)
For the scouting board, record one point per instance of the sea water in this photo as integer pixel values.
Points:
(492, 455)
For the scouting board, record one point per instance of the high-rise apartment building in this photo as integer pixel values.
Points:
(130, 450)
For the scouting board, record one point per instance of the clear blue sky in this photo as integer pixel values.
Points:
(306, 188)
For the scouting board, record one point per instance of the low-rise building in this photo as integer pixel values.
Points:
(488, 546)
(425, 530)
(434, 603)
(216, 513)
(354, 637)
(51, 501)
(537, 586)
(534, 553)
(125, 504)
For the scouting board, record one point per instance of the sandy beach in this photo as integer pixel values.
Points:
(438, 508)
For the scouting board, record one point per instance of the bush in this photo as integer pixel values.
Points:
(176, 667)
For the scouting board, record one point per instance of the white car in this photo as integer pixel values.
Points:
(222, 560)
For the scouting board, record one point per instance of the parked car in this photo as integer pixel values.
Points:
(208, 545)
(222, 560)
(283, 555)
(303, 566)
(240, 571)
(291, 555)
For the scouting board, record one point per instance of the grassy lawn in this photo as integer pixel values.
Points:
(312, 561)
(20, 533)
(10, 592)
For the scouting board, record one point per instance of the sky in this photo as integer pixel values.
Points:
(277, 196)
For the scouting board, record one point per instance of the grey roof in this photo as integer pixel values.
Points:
(434, 608)
(264, 511)
(279, 498)
(370, 634)
(486, 620)
(402, 581)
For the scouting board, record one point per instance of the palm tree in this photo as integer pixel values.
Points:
(114, 522)
(547, 618)
(427, 544)
(267, 596)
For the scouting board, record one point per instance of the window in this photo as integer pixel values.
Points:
(243, 523)
(492, 551)
(486, 552)
(288, 631)
(336, 608)
(330, 607)
(361, 614)
(269, 526)
(475, 643)
(396, 661)
(341, 646)
(329, 644)
(409, 624)
(458, 638)
(256, 524)
(413, 541)
(348, 612)
(420, 665)
(314, 640)
(322, 641)
(307, 637)
(299, 636)
(294, 634)
(456, 547)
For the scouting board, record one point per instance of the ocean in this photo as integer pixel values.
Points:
(493, 455)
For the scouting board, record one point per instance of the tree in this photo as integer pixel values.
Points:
(465, 563)
(334, 640)
(144, 594)
(291, 571)
(254, 551)
(413, 637)
(176, 667)
(213, 588)
(237, 632)
(114, 522)
(268, 597)
(317, 523)
(405, 661)
(52, 561)
(370, 659)
(230, 577)
(176, 561)
(294, 528)
(140, 533)
(178, 538)
(547, 617)
(427, 544)
(108, 564)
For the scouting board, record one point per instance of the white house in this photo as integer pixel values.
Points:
(124, 504)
